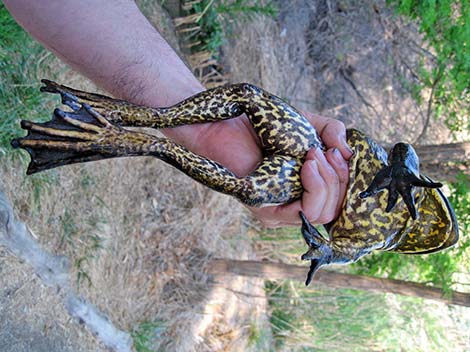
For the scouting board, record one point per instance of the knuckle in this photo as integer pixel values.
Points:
(332, 175)
(312, 216)
(336, 125)
(340, 167)
(326, 217)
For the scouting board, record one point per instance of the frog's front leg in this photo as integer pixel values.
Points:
(399, 177)
(323, 252)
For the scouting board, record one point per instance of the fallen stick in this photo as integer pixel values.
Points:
(279, 271)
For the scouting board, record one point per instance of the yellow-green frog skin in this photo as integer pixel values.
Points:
(369, 220)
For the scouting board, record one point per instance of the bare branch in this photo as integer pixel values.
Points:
(280, 271)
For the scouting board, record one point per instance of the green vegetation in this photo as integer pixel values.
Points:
(444, 269)
(146, 336)
(23, 62)
(20, 60)
(345, 320)
(306, 319)
(445, 25)
(302, 319)
(215, 18)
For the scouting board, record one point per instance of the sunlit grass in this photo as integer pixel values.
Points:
(346, 320)
(20, 61)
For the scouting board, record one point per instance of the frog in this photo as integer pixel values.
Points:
(389, 205)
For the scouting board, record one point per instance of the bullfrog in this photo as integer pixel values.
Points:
(413, 216)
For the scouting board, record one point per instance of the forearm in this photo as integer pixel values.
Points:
(114, 45)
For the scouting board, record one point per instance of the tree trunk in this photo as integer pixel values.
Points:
(279, 271)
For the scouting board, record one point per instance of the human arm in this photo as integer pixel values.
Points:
(113, 44)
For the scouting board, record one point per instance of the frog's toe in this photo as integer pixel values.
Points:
(381, 181)
(418, 182)
(399, 178)
(67, 97)
(314, 265)
(405, 191)
(409, 202)
(312, 237)
(319, 251)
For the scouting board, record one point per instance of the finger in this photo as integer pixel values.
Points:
(331, 187)
(312, 202)
(315, 189)
(278, 216)
(335, 159)
(332, 132)
(319, 200)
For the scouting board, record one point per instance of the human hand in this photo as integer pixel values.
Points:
(324, 175)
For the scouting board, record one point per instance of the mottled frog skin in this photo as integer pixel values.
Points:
(419, 221)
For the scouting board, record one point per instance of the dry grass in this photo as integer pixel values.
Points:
(140, 235)
(349, 60)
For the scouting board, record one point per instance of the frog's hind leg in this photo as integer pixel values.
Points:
(399, 178)
(116, 111)
(70, 137)
(85, 135)
(212, 105)
(279, 126)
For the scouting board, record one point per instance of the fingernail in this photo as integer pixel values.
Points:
(312, 164)
(318, 152)
(348, 148)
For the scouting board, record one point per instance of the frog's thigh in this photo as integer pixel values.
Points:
(275, 181)
(280, 127)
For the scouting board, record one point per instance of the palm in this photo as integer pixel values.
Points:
(234, 144)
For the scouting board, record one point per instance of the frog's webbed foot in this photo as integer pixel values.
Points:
(319, 252)
(68, 97)
(70, 137)
(399, 178)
